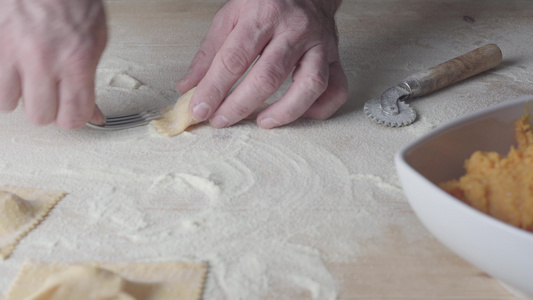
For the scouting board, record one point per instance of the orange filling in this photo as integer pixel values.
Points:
(500, 186)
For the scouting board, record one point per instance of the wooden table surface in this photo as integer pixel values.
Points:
(380, 43)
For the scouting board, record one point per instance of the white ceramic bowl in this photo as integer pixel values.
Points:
(501, 250)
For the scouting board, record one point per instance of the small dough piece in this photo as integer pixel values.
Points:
(21, 209)
(176, 118)
(125, 81)
(117, 281)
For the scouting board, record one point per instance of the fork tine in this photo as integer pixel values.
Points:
(123, 121)
(130, 118)
(143, 114)
(148, 113)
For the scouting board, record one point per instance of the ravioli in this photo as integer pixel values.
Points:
(21, 209)
(176, 118)
(83, 282)
(117, 281)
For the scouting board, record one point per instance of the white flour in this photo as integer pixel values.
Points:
(264, 208)
(270, 210)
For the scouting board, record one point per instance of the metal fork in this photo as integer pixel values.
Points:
(117, 122)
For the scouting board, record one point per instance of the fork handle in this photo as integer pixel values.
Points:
(454, 70)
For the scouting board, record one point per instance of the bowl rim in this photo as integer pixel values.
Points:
(399, 158)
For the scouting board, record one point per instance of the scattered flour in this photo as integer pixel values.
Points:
(265, 209)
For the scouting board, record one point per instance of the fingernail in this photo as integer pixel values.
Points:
(201, 111)
(219, 121)
(269, 123)
(98, 118)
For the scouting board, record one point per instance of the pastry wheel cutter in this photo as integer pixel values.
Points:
(391, 110)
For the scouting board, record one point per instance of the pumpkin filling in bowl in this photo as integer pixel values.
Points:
(500, 186)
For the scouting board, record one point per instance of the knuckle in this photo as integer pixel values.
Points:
(81, 58)
(303, 26)
(38, 51)
(81, 61)
(234, 61)
(42, 58)
(215, 90)
(266, 82)
(302, 22)
(316, 83)
(271, 11)
(201, 55)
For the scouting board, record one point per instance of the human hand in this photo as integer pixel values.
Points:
(48, 58)
(286, 35)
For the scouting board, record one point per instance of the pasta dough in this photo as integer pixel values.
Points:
(14, 212)
(83, 282)
(21, 209)
(176, 118)
(117, 281)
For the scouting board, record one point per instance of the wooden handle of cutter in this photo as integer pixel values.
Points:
(454, 70)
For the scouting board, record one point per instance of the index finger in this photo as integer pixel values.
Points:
(238, 52)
